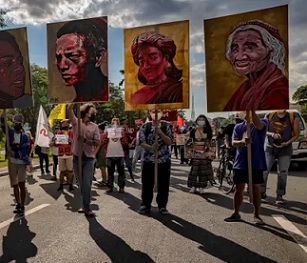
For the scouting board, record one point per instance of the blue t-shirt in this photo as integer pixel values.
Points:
(257, 138)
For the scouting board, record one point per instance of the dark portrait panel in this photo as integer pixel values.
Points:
(247, 61)
(15, 80)
(157, 66)
(78, 61)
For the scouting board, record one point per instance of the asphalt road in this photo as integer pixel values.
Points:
(52, 230)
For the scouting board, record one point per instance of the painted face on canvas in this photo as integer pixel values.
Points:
(71, 58)
(152, 64)
(12, 72)
(248, 53)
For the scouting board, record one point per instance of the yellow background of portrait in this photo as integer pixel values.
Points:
(20, 35)
(179, 32)
(222, 80)
(58, 92)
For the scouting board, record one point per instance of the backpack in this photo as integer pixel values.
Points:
(290, 114)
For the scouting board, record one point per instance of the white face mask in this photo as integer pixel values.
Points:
(160, 115)
(201, 123)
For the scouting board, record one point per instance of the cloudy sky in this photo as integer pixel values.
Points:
(35, 14)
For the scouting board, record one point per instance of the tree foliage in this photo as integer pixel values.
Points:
(40, 96)
(2, 22)
(300, 97)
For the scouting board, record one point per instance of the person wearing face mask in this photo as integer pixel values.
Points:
(114, 140)
(63, 142)
(18, 155)
(147, 141)
(201, 169)
(84, 145)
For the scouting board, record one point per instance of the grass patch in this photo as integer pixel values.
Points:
(35, 160)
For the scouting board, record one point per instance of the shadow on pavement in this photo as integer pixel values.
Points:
(51, 189)
(227, 202)
(74, 200)
(17, 244)
(116, 248)
(31, 180)
(217, 246)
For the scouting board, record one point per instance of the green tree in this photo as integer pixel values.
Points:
(114, 107)
(40, 96)
(300, 97)
(2, 22)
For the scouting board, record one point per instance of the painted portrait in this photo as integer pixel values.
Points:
(156, 66)
(15, 80)
(250, 69)
(78, 61)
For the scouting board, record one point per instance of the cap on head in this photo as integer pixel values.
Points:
(18, 118)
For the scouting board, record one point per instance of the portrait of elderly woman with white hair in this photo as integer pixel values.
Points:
(255, 49)
(154, 54)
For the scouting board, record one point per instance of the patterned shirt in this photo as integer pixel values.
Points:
(164, 154)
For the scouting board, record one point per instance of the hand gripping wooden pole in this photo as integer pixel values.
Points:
(249, 155)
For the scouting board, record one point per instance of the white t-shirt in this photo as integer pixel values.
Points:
(115, 148)
(17, 141)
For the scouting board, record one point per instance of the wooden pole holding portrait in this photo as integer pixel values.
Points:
(80, 145)
(249, 155)
(8, 146)
(156, 150)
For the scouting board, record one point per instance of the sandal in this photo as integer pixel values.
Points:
(258, 221)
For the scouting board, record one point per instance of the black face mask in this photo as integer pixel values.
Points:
(17, 127)
(65, 128)
(92, 118)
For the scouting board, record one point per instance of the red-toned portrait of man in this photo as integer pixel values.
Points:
(12, 72)
(80, 52)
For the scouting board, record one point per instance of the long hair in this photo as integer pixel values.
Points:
(276, 47)
(207, 128)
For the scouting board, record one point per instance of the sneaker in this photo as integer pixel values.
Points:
(193, 190)
(163, 211)
(201, 191)
(264, 196)
(53, 178)
(279, 200)
(233, 218)
(143, 210)
(258, 221)
(17, 209)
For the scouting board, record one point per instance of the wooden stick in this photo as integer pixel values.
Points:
(249, 156)
(80, 145)
(8, 146)
(156, 151)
